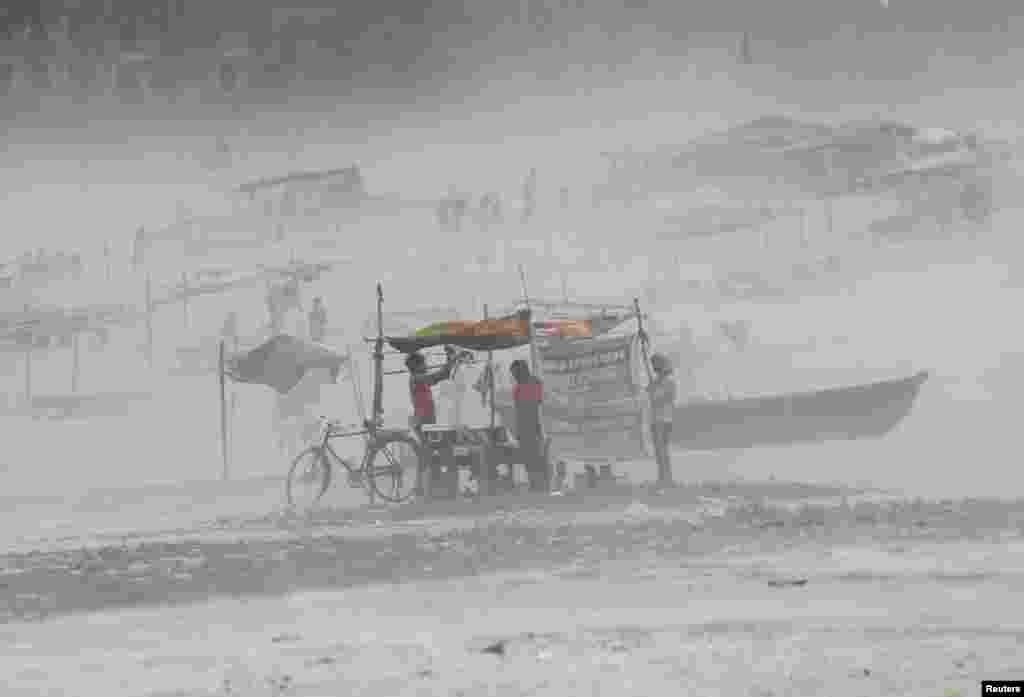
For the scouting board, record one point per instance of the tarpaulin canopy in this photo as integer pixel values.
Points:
(281, 363)
(482, 335)
(553, 321)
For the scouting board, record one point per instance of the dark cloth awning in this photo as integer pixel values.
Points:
(282, 361)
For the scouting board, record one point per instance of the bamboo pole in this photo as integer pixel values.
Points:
(184, 300)
(378, 383)
(223, 416)
(75, 352)
(28, 375)
(644, 350)
(490, 377)
(149, 321)
(535, 366)
(486, 483)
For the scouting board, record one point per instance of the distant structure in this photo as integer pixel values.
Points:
(295, 193)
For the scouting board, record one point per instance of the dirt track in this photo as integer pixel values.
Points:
(278, 554)
(750, 589)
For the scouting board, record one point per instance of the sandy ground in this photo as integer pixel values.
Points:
(762, 589)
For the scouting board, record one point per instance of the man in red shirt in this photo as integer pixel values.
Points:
(528, 395)
(421, 383)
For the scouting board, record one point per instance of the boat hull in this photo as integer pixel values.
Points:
(843, 413)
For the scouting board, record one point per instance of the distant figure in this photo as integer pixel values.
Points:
(227, 76)
(528, 396)
(662, 391)
(564, 195)
(454, 208)
(486, 211)
(318, 320)
(975, 202)
(529, 195)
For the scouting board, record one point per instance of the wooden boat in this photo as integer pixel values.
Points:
(842, 413)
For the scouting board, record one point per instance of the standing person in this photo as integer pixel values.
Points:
(662, 391)
(318, 320)
(528, 395)
(421, 383)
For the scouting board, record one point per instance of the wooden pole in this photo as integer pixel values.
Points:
(378, 361)
(223, 416)
(184, 299)
(486, 482)
(75, 351)
(490, 377)
(644, 348)
(28, 375)
(149, 321)
(535, 366)
(534, 360)
(378, 386)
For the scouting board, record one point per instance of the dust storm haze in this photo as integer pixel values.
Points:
(813, 201)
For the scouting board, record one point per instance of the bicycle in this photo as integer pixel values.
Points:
(315, 466)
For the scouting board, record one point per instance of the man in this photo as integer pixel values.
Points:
(528, 395)
(421, 383)
(317, 320)
(662, 390)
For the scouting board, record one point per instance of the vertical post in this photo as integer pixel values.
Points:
(223, 416)
(378, 385)
(75, 351)
(490, 376)
(149, 321)
(184, 299)
(534, 360)
(644, 349)
(486, 482)
(535, 366)
(28, 374)
(107, 260)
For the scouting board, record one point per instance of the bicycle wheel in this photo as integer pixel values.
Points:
(308, 478)
(392, 466)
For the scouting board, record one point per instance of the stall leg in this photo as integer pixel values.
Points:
(486, 477)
